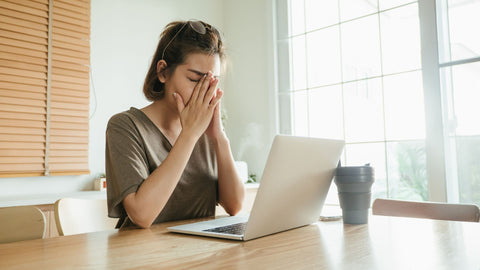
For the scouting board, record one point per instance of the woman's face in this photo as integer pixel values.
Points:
(186, 76)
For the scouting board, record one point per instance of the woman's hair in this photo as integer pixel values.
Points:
(177, 41)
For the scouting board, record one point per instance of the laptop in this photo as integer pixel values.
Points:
(292, 191)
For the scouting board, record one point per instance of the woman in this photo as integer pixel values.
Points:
(172, 160)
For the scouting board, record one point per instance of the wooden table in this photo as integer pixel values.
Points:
(385, 243)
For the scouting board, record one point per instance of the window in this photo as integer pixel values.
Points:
(44, 87)
(354, 70)
(459, 58)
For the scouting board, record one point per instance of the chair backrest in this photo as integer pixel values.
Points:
(431, 210)
(19, 223)
(74, 216)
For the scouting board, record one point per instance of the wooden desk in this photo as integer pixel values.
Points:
(385, 243)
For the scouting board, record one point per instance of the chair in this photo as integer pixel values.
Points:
(19, 223)
(431, 210)
(75, 216)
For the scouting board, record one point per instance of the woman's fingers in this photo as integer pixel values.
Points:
(211, 91)
(217, 98)
(198, 89)
(179, 101)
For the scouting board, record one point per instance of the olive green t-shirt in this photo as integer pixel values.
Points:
(135, 147)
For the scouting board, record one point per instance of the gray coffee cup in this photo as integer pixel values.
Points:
(354, 191)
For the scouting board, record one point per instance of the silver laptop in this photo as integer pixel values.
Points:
(293, 188)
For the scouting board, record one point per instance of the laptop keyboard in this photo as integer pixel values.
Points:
(237, 229)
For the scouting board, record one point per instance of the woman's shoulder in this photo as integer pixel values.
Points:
(125, 118)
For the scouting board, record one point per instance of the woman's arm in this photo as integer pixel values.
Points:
(146, 204)
(230, 187)
(151, 197)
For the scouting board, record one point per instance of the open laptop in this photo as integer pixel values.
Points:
(294, 185)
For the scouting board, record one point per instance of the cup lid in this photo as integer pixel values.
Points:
(355, 170)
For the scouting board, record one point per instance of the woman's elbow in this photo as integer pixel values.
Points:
(233, 209)
(141, 222)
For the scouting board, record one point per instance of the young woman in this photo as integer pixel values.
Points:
(172, 160)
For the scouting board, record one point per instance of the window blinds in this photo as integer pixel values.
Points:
(44, 87)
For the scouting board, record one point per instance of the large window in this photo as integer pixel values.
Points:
(354, 70)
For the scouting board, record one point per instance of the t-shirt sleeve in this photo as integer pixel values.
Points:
(126, 165)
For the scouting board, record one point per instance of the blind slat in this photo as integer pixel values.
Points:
(23, 73)
(72, 8)
(71, 106)
(30, 4)
(68, 146)
(41, 1)
(24, 59)
(71, 53)
(19, 65)
(21, 160)
(66, 132)
(69, 126)
(24, 23)
(22, 145)
(70, 33)
(72, 27)
(70, 86)
(23, 131)
(28, 34)
(68, 153)
(78, 4)
(61, 18)
(22, 95)
(20, 108)
(70, 40)
(66, 139)
(22, 51)
(69, 14)
(22, 138)
(22, 87)
(21, 123)
(72, 73)
(70, 66)
(59, 167)
(21, 153)
(24, 16)
(74, 60)
(24, 9)
(69, 159)
(70, 46)
(11, 168)
(70, 100)
(18, 79)
(23, 116)
(22, 44)
(73, 80)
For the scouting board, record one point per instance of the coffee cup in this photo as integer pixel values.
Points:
(354, 192)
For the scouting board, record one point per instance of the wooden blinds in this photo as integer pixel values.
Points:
(44, 87)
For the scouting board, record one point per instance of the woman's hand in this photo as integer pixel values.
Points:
(215, 129)
(197, 115)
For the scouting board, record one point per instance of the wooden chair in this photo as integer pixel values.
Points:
(431, 210)
(19, 223)
(75, 216)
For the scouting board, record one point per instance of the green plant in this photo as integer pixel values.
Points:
(412, 170)
(252, 178)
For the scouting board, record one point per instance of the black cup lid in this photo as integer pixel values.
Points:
(355, 170)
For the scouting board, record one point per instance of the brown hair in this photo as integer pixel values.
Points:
(180, 40)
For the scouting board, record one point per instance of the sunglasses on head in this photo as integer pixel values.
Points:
(197, 26)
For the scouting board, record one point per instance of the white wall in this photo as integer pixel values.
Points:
(250, 93)
(124, 35)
